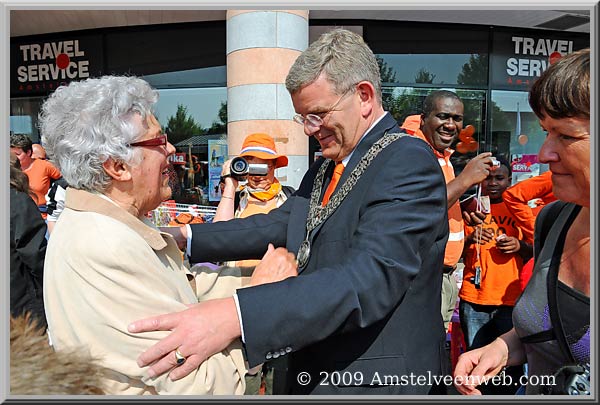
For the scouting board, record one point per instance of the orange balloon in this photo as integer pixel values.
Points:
(461, 147)
(523, 139)
(472, 146)
(466, 133)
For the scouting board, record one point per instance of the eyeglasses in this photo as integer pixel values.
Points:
(313, 122)
(160, 140)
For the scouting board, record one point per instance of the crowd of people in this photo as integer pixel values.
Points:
(352, 274)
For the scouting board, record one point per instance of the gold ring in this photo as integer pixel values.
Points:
(180, 357)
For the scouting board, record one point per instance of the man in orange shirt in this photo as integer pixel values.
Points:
(494, 255)
(517, 198)
(439, 125)
(40, 172)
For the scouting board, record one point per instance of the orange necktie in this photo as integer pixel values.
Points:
(337, 173)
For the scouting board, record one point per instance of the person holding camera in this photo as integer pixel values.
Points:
(552, 317)
(261, 193)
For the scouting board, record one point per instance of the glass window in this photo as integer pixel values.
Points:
(203, 77)
(404, 101)
(191, 117)
(516, 133)
(191, 112)
(462, 69)
(24, 116)
(421, 53)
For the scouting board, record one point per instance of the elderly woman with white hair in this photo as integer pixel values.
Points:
(106, 264)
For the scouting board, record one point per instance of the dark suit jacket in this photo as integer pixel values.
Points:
(27, 252)
(368, 302)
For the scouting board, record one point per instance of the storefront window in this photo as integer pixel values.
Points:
(192, 108)
(24, 116)
(404, 101)
(516, 133)
(462, 69)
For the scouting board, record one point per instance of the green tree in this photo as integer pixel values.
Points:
(474, 72)
(181, 126)
(220, 127)
(387, 73)
(405, 104)
(424, 76)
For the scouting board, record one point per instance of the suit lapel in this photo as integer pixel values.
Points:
(387, 124)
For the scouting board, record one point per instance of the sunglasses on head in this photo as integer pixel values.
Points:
(160, 140)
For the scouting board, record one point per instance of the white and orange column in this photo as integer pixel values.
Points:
(261, 47)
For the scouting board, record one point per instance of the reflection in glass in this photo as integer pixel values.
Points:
(24, 116)
(463, 69)
(191, 117)
(516, 132)
(404, 101)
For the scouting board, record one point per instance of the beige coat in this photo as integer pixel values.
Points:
(104, 269)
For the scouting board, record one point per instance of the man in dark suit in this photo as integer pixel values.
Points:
(362, 317)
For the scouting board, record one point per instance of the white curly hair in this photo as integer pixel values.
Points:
(85, 123)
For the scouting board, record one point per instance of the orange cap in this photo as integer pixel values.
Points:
(262, 146)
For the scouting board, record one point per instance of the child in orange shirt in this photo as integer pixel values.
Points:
(496, 250)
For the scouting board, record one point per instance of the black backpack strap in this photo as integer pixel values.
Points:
(544, 221)
(552, 287)
(543, 336)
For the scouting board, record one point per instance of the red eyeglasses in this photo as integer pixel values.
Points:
(160, 140)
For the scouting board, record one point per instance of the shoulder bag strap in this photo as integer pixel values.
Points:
(552, 285)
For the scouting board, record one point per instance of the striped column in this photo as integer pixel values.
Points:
(261, 47)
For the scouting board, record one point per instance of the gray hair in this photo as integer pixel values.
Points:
(85, 123)
(345, 59)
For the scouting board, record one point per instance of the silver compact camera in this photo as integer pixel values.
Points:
(240, 169)
(495, 162)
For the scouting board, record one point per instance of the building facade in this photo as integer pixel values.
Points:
(224, 79)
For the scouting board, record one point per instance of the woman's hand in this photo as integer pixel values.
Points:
(477, 366)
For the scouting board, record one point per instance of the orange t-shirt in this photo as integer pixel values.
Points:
(517, 196)
(39, 173)
(499, 271)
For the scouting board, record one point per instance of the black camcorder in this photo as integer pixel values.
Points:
(240, 169)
